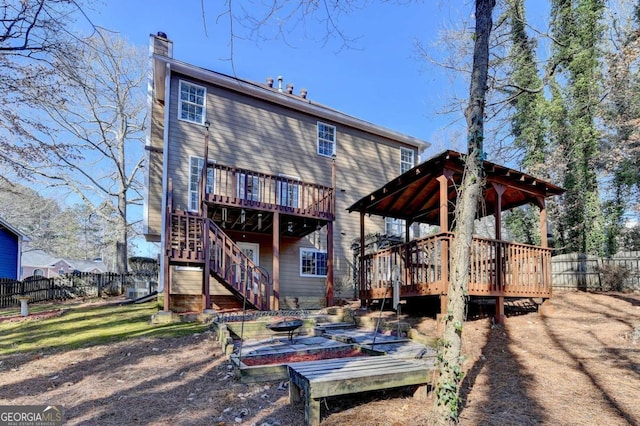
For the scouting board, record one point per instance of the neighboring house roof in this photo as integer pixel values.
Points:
(41, 259)
(5, 225)
(37, 258)
(274, 95)
(89, 265)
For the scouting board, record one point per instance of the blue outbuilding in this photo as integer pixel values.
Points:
(10, 250)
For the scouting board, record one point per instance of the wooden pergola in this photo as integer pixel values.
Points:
(428, 194)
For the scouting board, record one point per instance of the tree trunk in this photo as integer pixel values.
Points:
(121, 241)
(447, 386)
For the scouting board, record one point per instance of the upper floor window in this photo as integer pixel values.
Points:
(313, 263)
(407, 159)
(192, 102)
(326, 139)
(195, 170)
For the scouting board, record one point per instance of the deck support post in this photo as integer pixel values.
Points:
(362, 273)
(204, 213)
(329, 292)
(166, 235)
(275, 295)
(206, 270)
(499, 317)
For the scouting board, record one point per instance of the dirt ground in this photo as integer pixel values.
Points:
(580, 366)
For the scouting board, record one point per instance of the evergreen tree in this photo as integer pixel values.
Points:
(577, 29)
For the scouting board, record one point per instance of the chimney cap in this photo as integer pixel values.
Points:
(162, 34)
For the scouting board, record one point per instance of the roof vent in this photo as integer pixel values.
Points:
(270, 81)
(290, 88)
(280, 79)
(303, 93)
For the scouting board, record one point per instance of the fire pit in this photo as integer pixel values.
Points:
(287, 325)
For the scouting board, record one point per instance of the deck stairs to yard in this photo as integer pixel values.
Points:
(198, 241)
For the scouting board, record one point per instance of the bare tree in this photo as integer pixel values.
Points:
(90, 129)
(34, 35)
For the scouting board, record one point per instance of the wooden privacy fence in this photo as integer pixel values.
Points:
(585, 272)
(68, 286)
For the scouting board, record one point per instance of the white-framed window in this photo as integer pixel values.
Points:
(248, 187)
(192, 105)
(38, 273)
(195, 170)
(326, 139)
(288, 191)
(313, 263)
(407, 159)
(394, 226)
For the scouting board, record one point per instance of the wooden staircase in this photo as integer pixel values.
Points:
(195, 240)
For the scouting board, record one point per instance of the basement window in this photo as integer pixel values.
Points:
(313, 263)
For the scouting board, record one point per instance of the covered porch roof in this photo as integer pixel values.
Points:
(415, 195)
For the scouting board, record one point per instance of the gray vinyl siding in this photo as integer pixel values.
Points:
(186, 281)
(154, 173)
(251, 133)
(154, 196)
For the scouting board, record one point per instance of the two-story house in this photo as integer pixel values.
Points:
(248, 186)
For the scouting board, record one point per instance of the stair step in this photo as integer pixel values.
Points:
(226, 303)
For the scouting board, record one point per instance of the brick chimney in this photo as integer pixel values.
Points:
(161, 45)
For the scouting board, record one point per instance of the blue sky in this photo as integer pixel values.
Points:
(382, 79)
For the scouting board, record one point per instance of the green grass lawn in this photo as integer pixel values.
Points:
(81, 326)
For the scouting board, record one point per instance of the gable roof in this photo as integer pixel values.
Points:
(37, 257)
(163, 63)
(415, 195)
(5, 225)
(40, 258)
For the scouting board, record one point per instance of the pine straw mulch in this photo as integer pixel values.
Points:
(580, 366)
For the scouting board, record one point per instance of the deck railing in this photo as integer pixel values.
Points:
(185, 242)
(240, 187)
(421, 267)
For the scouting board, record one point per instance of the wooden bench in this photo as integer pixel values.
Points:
(341, 376)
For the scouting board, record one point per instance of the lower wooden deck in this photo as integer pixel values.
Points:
(422, 268)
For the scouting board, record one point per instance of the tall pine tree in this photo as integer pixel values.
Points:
(577, 29)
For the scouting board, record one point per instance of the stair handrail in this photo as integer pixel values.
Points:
(226, 256)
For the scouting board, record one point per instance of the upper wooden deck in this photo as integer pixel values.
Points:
(245, 199)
